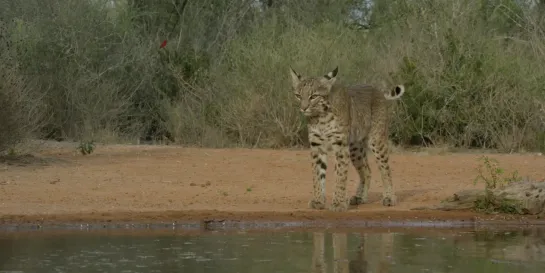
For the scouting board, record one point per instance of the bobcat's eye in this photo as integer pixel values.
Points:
(313, 97)
(298, 96)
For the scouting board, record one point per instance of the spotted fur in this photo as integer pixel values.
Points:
(348, 121)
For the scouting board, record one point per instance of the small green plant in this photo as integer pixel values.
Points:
(86, 147)
(249, 189)
(493, 177)
(489, 172)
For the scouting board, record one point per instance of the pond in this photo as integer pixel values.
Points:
(340, 251)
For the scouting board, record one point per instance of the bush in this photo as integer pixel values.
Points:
(473, 69)
(470, 83)
(473, 82)
(21, 109)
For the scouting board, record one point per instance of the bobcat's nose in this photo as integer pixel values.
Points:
(306, 111)
(304, 107)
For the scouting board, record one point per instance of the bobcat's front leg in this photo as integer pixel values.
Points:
(340, 147)
(319, 166)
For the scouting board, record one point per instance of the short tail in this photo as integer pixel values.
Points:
(395, 93)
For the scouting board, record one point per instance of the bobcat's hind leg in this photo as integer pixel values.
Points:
(358, 155)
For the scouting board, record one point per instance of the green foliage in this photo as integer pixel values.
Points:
(494, 177)
(473, 69)
(86, 147)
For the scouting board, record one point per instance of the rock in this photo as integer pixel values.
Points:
(530, 196)
(523, 197)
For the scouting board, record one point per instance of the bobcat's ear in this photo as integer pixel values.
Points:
(295, 78)
(330, 78)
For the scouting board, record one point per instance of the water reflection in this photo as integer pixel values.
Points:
(345, 262)
(278, 252)
(520, 246)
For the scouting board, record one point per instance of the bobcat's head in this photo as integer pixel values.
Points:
(313, 92)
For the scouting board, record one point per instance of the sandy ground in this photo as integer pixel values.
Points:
(165, 183)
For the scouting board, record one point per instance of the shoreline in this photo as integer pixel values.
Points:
(265, 220)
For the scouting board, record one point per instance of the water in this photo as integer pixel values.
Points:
(278, 252)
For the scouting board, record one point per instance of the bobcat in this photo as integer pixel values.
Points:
(346, 120)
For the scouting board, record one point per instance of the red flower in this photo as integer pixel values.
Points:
(163, 44)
